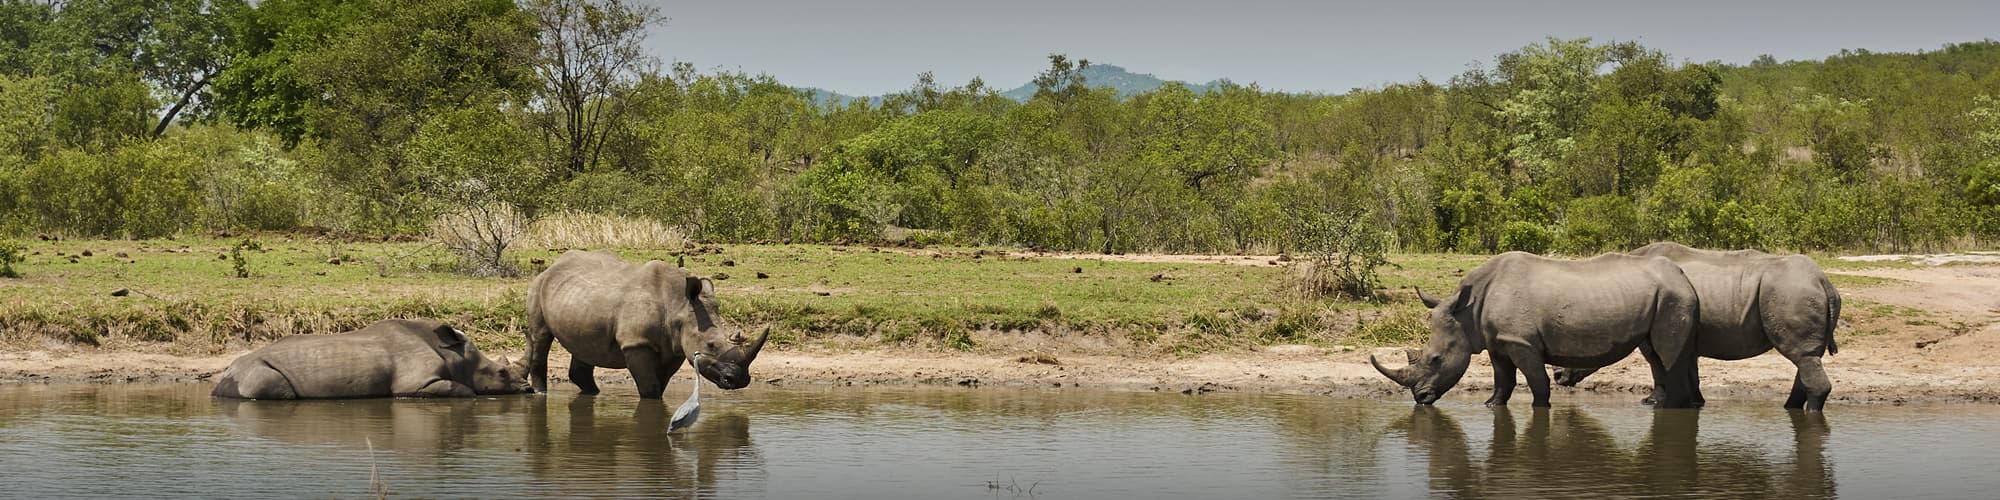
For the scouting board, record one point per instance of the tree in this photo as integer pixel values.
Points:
(186, 50)
(1063, 80)
(361, 79)
(1219, 140)
(589, 60)
(1556, 84)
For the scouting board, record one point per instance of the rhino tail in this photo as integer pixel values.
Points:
(1672, 334)
(1832, 314)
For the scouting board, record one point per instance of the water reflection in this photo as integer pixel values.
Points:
(620, 447)
(414, 427)
(813, 442)
(1569, 453)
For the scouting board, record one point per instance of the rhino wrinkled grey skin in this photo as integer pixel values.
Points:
(646, 318)
(1529, 311)
(396, 357)
(1752, 302)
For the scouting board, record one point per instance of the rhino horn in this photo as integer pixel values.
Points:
(1405, 376)
(750, 350)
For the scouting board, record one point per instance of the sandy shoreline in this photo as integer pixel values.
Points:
(1857, 376)
(1949, 353)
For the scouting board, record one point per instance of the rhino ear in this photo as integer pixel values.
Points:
(448, 336)
(1463, 299)
(694, 285)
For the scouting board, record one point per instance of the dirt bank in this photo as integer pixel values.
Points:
(1922, 334)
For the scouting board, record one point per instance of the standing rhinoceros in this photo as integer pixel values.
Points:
(1528, 311)
(395, 357)
(645, 318)
(1753, 301)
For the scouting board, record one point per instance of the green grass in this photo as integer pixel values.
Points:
(1853, 281)
(186, 295)
(1834, 263)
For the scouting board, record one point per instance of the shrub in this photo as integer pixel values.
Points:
(1599, 224)
(1342, 252)
(480, 235)
(11, 253)
(1526, 236)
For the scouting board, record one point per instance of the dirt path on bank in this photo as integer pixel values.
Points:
(1928, 334)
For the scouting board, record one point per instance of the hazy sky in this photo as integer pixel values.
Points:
(875, 47)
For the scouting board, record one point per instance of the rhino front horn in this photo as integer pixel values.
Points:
(750, 350)
(1405, 376)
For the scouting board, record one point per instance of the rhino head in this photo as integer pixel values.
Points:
(500, 376)
(718, 352)
(1433, 371)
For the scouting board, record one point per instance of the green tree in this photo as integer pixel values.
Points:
(590, 57)
(362, 78)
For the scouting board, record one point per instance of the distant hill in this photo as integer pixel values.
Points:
(1116, 77)
(1111, 76)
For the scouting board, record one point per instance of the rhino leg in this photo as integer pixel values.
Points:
(644, 363)
(1677, 386)
(442, 389)
(584, 376)
(1538, 379)
(257, 380)
(1811, 387)
(1503, 381)
(540, 340)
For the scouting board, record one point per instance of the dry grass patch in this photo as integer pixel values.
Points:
(572, 229)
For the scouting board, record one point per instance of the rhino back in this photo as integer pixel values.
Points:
(585, 297)
(1751, 299)
(342, 365)
(1584, 312)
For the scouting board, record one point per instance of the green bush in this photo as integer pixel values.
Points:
(142, 191)
(1522, 236)
(1599, 224)
(1342, 252)
(11, 253)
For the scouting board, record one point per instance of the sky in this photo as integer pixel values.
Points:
(879, 46)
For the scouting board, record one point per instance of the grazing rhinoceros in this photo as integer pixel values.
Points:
(645, 318)
(1753, 301)
(1528, 311)
(395, 357)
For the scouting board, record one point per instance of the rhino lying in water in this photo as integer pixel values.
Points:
(1529, 311)
(1752, 302)
(645, 318)
(396, 357)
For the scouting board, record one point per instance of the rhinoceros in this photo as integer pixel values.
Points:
(395, 357)
(1528, 311)
(645, 318)
(1751, 302)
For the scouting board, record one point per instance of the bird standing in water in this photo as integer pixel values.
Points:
(690, 410)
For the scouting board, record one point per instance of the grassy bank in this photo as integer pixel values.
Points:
(185, 295)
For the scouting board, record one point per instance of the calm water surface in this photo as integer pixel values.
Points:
(156, 441)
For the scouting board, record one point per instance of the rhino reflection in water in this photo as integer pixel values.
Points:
(1567, 453)
(432, 427)
(588, 442)
(647, 318)
(396, 357)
